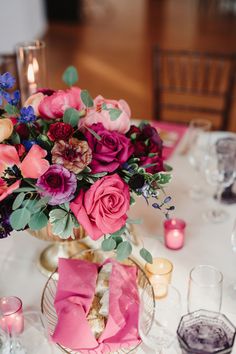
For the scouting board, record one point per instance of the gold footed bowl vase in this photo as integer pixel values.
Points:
(58, 248)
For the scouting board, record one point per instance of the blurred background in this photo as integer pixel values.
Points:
(111, 43)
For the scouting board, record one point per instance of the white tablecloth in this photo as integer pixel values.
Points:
(206, 243)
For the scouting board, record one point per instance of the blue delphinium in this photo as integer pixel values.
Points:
(7, 81)
(27, 115)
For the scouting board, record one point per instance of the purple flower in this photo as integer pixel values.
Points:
(58, 183)
(7, 81)
(27, 115)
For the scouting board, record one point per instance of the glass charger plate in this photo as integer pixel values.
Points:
(98, 256)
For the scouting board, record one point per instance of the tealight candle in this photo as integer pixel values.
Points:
(174, 233)
(159, 274)
(11, 315)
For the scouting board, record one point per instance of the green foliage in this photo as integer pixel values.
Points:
(114, 113)
(86, 98)
(108, 244)
(123, 250)
(71, 116)
(15, 138)
(38, 221)
(11, 110)
(20, 218)
(62, 223)
(70, 76)
(146, 255)
(18, 201)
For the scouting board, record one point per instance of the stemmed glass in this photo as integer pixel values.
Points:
(198, 138)
(220, 171)
(162, 332)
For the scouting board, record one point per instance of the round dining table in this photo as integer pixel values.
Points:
(205, 243)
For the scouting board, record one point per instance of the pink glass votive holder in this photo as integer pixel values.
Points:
(174, 233)
(11, 315)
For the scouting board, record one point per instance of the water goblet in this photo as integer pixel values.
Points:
(162, 333)
(231, 290)
(220, 171)
(198, 139)
(205, 289)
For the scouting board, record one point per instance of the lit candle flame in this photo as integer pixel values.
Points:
(30, 74)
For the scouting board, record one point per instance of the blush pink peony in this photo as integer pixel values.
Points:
(100, 115)
(102, 208)
(54, 106)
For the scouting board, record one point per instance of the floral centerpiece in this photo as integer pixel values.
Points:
(69, 160)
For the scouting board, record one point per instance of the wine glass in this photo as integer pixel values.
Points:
(162, 332)
(220, 171)
(205, 289)
(198, 138)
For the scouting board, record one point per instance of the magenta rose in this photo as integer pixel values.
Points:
(100, 115)
(58, 183)
(102, 208)
(110, 152)
(54, 106)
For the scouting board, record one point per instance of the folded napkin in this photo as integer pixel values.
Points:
(75, 292)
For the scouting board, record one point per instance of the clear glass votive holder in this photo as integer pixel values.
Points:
(205, 332)
(31, 66)
(174, 233)
(159, 274)
(11, 315)
(205, 288)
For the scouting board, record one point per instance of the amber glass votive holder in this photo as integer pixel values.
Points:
(159, 274)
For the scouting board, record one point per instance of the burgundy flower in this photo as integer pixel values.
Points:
(74, 155)
(58, 183)
(60, 131)
(111, 151)
(156, 161)
(23, 131)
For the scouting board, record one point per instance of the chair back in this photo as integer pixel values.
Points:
(190, 85)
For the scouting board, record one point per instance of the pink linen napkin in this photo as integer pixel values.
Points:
(180, 131)
(75, 292)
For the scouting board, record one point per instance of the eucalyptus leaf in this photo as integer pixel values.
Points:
(24, 189)
(108, 244)
(118, 239)
(70, 76)
(59, 226)
(119, 232)
(18, 201)
(57, 214)
(20, 218)
(38, 221)
(114, 113)
(134, 221)
(42, 202)
(86, 98)
(71, 116)
(123, 250)
(146, 255)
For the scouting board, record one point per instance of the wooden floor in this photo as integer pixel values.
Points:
(112, 47)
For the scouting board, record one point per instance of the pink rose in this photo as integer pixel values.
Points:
(110, 152)
(54, 106)
(100, 115)
(102, 208)
(34, 101)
